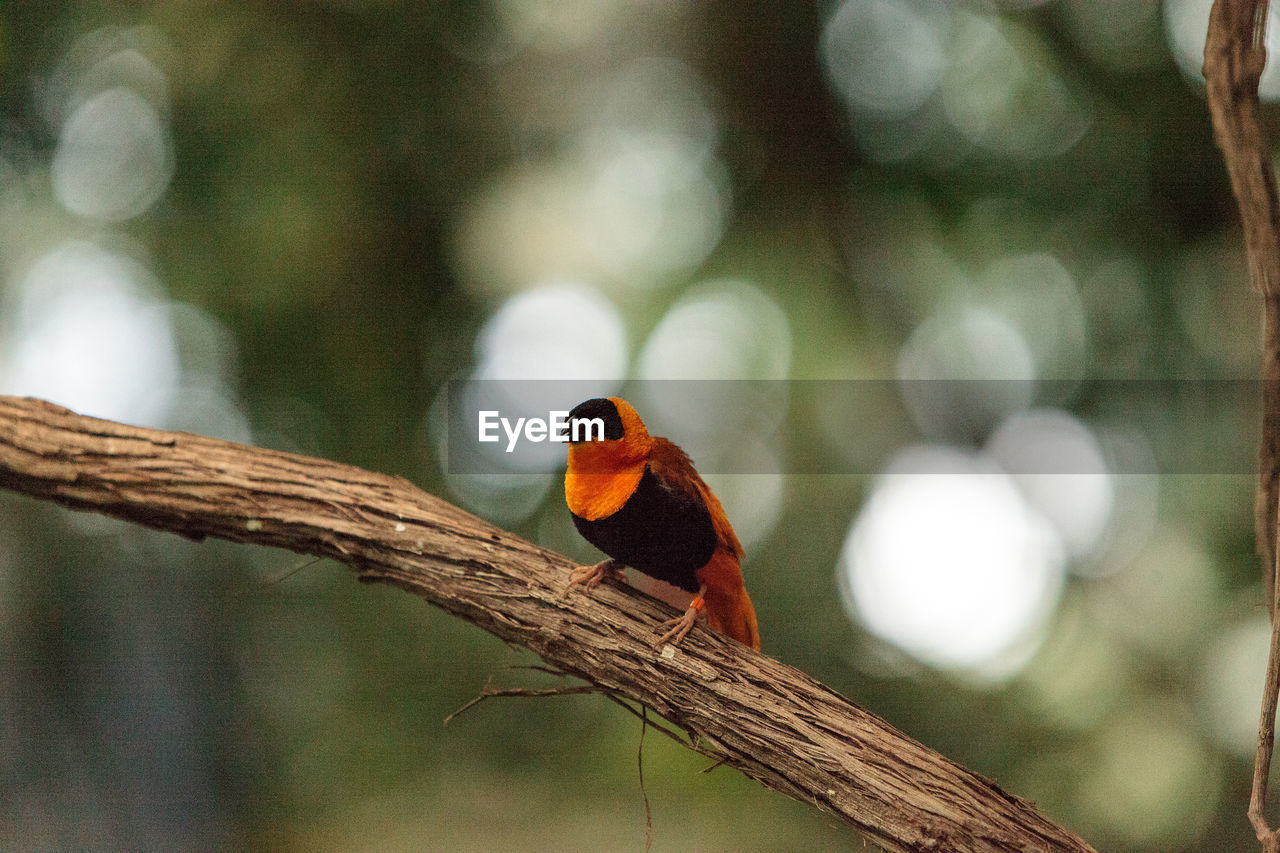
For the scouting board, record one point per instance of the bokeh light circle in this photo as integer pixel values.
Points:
(885, 56)
(1059, 465)
(113, 159)
(948, 562)
(89, 330)
(562, 330)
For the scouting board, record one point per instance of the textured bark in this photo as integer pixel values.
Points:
(768, 720)
(1234, 56)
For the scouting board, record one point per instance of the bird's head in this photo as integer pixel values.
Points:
(606, 431)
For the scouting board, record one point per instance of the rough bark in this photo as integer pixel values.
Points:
(1234, 56)
(768, 720)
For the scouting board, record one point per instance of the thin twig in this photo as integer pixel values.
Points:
(642, 715)
(1234, 58)
(689, 744)
(648, 812)
(1267, 730)
(549, 670)
(526, 692)
(269, 582)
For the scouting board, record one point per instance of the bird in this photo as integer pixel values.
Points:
(637, 498)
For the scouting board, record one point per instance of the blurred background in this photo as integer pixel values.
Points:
(294, 224)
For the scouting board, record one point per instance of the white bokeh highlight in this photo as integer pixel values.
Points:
(1060, 468)
(562, 330)
(949, 563)
(114, 159)
(88, 329)
(885, 56)
(961, 371)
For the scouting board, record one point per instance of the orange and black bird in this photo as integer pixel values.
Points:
(637, 497)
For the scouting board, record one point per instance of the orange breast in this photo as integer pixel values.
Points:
(594, 495)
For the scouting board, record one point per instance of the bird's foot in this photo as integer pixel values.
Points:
(682, 624)
(590, 577)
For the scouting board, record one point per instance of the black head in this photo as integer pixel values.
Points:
(601, 409)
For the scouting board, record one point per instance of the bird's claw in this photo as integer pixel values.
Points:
(589, 577)
(682, 624)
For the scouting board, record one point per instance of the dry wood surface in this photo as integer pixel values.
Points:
(767, 719)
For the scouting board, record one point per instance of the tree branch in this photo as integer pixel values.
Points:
(1266, 743)
(769, 720)
(1234, 56)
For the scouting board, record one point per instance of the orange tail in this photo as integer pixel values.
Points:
(729, 608)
